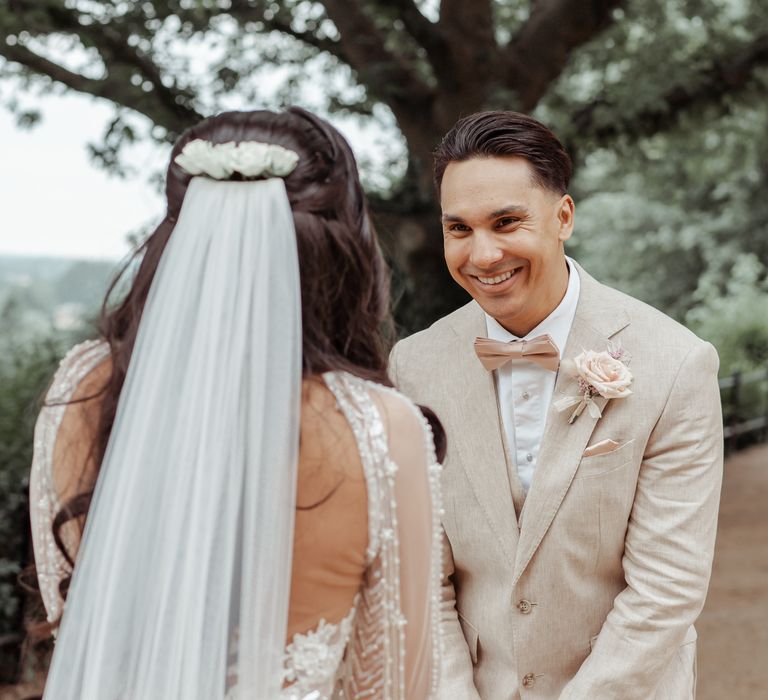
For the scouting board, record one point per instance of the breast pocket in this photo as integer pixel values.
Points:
(600, 465)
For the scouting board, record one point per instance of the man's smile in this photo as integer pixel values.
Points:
(497, 279)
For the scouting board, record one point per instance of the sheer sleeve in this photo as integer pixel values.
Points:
(58, 440)
(418, 523)
(394, 651)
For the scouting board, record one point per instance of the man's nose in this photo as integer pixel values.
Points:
(485, 250)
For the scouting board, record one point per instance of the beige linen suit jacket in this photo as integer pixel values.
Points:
(591, 592)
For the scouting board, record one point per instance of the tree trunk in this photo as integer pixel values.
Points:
(422, 288)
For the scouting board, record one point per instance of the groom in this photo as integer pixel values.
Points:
(580, 509)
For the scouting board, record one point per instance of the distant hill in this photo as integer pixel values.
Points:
(46, 292)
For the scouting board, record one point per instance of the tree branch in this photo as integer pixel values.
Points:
(330, 46)
(468, 29)
(175, 102)
(123, 94)
(724, 77)
(416, 24)
(426, 34)
(281, 21)
(38, 64)
(472, 20)
(164, 105)
(537, 54)
(385, 74)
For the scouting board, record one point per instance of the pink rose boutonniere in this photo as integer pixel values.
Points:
(597, 374)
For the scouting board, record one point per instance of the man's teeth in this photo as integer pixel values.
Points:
(498, 278)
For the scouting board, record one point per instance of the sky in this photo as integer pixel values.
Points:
(54, 201)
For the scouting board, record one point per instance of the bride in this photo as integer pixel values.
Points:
(262, 508)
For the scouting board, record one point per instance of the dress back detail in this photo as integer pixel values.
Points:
(364, 654)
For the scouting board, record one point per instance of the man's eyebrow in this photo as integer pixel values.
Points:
(510, 209)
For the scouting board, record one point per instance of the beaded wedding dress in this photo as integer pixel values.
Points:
(387, 646)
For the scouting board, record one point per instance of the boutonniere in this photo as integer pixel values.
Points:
(597, 374)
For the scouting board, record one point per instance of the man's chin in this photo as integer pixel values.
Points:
(505, 311)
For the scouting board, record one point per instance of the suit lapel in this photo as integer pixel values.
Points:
(478, 441)
(563, 444)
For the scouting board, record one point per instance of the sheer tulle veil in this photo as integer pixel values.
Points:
(182, 581)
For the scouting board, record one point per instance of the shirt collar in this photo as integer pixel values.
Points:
(557, 324)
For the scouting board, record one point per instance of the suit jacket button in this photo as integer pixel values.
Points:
(525, 606)
(529, 680)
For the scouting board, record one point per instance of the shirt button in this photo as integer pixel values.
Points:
(529, 680)
(529, 457)
(526, 395)
(525, 606)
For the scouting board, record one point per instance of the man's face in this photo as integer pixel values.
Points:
(504, 238)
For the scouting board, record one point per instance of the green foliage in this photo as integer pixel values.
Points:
(669, 218)
(736, 322)
(25, 371)
(638, 246)
(32, 290)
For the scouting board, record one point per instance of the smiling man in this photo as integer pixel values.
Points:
(504, 227)
(584, 445)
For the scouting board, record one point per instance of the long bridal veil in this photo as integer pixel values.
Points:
(182, 580)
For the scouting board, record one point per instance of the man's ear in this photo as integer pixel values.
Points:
(566, 209)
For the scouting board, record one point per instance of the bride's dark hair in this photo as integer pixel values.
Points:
(344, 279)
(346, 318)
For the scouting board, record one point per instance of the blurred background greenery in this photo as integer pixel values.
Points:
(661, 102)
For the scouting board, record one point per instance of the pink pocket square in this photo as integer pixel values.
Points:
(601, 448)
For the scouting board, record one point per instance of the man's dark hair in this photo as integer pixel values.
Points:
(502, 133)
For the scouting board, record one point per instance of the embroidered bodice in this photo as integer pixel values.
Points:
(370, 652)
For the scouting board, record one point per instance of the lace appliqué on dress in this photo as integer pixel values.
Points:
(52, 567)
(312, 660)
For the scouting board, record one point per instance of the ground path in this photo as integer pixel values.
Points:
(733, 629)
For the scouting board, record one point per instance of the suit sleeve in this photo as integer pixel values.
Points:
(669, 543)
(456, 673)
(456, 676)
(392, 367)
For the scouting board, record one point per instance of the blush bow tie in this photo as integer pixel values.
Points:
(495, 353)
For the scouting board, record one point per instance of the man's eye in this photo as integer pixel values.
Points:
(458, 227)
(507, 221)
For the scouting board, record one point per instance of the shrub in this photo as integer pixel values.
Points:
(26, 367)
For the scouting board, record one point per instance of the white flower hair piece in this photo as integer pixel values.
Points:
(249, 158)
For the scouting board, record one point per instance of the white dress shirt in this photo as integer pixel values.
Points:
(524, 389)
